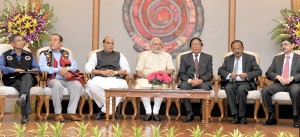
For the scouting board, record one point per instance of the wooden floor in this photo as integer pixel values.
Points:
(69, 127)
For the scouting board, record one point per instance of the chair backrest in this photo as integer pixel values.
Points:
(178, 60)
(248, 52)
(38, 52)
(94, 51)
(6, 47)
(296, 51)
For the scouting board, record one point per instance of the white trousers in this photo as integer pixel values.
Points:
(57, 88)
(143, 83)
(95, 89)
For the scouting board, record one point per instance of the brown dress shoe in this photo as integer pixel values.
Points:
(59, 117)
(73, 117)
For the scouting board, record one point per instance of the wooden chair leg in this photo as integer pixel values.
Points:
(256, 108)
(138, 105)
(81, 104)
(220, 104)
(265, 110)
(41, 99)
(90, 102)
(2, 107)
(124, 107)
(134, 104)
(277, 111)
(168, 105)
(178, 105)
(47, 98)
(211, 106)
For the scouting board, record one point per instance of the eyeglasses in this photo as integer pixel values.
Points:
(20, 40)
(285, 44)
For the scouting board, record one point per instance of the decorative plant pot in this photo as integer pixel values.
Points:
(157, 86)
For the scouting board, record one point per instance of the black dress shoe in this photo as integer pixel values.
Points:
(235, 120)
(243, 120)
(24, 119)
(156, 118)
(148, 118)
(100, 115)
(270, 121)
(189, 117)
(20, 102)
(296, 125)
(116, 115)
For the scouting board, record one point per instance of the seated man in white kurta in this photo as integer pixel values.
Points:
(152, 61)
(106, 67)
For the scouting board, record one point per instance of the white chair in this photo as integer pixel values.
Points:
(280, 97)
(212, 93)
(7, 91)
(47, 90)
(254, 95)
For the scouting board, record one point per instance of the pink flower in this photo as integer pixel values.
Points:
(157, 78)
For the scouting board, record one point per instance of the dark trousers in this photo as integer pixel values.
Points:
(23, 84)
(187, 86)
(237, 93)
(292, 89)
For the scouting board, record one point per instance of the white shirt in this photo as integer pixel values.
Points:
(290, 63)
(92, 63)
(239, 71)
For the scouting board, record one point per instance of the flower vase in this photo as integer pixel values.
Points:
(157, 86)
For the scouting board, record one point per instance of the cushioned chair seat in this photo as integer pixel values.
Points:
(5, 90)
(282, 97)
(253, 94)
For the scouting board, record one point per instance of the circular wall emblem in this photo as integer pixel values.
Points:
(175, 22)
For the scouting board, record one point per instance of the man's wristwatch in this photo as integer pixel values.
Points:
(68, 68)
(116, 72)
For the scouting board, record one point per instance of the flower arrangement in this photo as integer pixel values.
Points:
(288, 27)
(159, 78)
(32, 20)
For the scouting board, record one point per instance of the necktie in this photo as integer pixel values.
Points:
(236, 65)
(286, 67)
(196, 65)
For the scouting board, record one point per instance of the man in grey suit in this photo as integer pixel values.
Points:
(238, 72)
(195, 72)
(285, 72)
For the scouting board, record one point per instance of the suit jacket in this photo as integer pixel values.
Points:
(187, 68)
(249, 66)
(277, 65)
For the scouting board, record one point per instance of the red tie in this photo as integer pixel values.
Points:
(196, 65)
(286, 67)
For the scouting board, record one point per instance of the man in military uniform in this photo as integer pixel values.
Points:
(14, 61)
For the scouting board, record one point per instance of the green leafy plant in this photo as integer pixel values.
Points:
(19, 130)
(82, 129)
(137, 131)
(156, 130)
(16, 108)
(217, 133)
(256, 134)
(283, 134)
(41, 130)
(57, 129)
(119, 130)
(96, 132)
(171, 132)
(196, 132)
(236, 133)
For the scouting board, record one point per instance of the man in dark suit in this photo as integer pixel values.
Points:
(239, 71)
(285, 72)
(195, 72)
